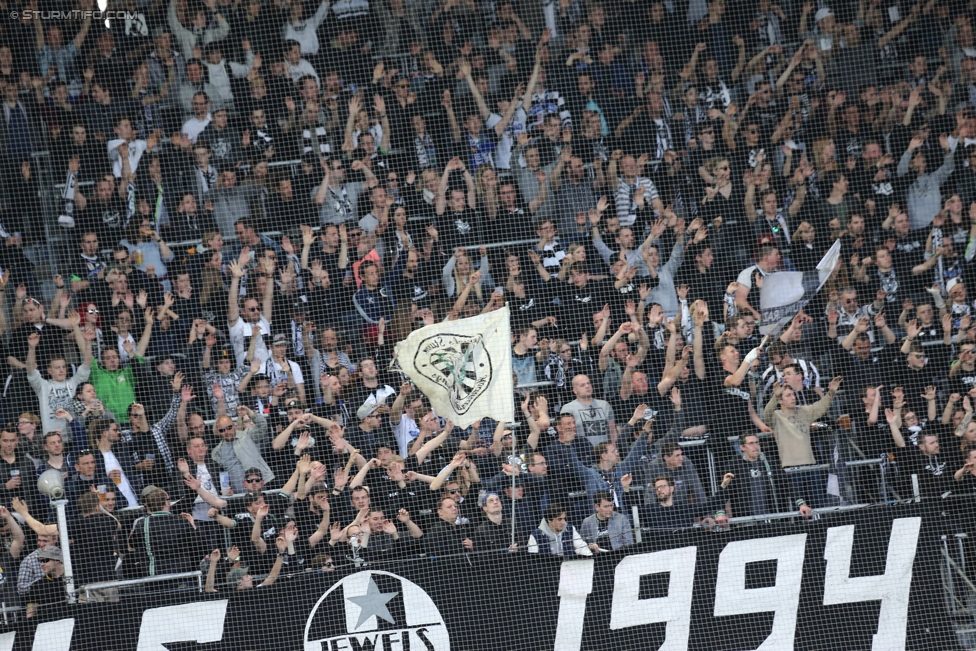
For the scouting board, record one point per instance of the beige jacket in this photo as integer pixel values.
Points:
(792, 432)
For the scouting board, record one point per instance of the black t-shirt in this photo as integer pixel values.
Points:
(93, 548)
(708, 286)
(241, 536)
(85, 268)
(934, 472)
(744, 158)
(733, 405)
(529, 308)
(107, 218)
(963, 383)
(580, 303)
(874, 440)
(459, 229)
(50, 596)
(909, 253)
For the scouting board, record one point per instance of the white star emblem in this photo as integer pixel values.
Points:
(373, 603)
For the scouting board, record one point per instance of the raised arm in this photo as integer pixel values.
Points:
(233, 296)
(464, 70)
(736, 378)
(434, 443)
(143, 344)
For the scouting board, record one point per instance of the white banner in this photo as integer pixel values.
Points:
(785, 293)
(464, 367)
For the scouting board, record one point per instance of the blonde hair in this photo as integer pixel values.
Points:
(31, 417)
(461, 283)
(430, 171)
(712, 163)
(819, 145)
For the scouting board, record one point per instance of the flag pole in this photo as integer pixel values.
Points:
(513, 489)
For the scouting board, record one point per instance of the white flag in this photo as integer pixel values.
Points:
(464, 367)
(785, 293)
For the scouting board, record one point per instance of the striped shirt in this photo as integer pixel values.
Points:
(545, 104)
(624, 198)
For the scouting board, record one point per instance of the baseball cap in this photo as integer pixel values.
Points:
(49, 554)
(952, 283)
(253, 471)
(280, 339)
(293, 403)
(148, 489)
(484, 498)
(822, 13)
(237, 573)
(367, 409)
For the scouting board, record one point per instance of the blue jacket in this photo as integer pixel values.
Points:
(595, 481)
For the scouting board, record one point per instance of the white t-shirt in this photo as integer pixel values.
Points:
(405, 431)
(240, 331)
(503, 150)
(745, 276)
(136, 149)
(193, 127)
(200, 507)
(112, 463)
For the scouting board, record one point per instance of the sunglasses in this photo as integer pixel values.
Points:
(454, 490)
(225, 429)
(93, 311)
(252, 480)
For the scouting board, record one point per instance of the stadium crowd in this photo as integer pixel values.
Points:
(258, 200)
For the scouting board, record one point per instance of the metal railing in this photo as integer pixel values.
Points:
(764, 517)
(128, 583)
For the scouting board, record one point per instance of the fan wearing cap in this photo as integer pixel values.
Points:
(823, 29)
(298, 438)
(49, 589)
(239, 577)
(373, 417)
(281, 370)
(222, 384)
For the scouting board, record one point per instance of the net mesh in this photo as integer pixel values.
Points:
(469, 324)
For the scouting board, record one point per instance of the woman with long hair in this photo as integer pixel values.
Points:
(458, 270)
(486, 188)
